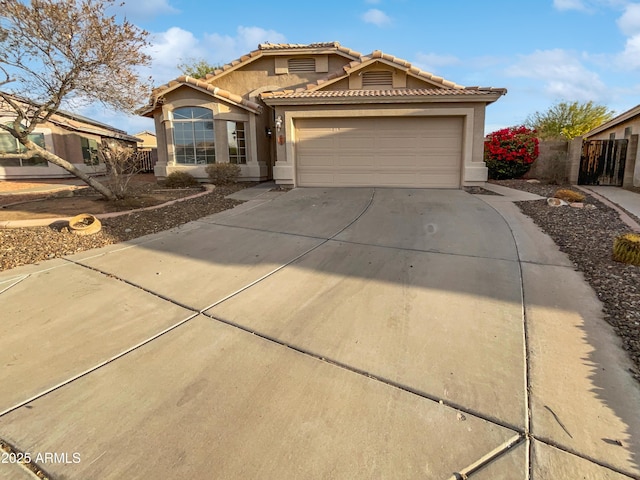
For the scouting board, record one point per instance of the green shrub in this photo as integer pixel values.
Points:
(570, 196)
(223, 173)
(181, 180)
(626, 248)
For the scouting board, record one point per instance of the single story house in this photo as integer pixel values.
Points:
(147, 150)
(625, 126)
(323, 115)
(69, 136)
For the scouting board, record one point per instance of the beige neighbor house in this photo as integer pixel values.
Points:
(69, 136)
(147, 150)
(625, 126)
(323, 115)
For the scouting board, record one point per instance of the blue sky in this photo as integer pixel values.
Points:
(542, 51)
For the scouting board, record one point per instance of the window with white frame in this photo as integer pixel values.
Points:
(9, 144)
(193, 136)
(237, 143)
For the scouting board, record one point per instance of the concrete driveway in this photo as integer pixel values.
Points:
(321, 333)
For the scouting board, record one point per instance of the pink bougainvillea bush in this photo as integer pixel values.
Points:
(510, 152)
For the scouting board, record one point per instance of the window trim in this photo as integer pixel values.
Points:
(240, 157)
(209, 158)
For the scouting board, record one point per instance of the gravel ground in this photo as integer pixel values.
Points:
(587, 236)
(22, 246)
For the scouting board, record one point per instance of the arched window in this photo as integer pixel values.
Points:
(193, 136)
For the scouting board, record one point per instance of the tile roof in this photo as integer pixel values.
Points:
(213, 90)
(397, 92)
(377, 55)
(282, 46)
(259, 52)
(358, 61)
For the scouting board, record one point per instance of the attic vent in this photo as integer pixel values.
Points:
(377, 79)
(302, 65)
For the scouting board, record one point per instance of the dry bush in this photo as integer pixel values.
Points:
(180, 180)
(570, 196)
(223, 173)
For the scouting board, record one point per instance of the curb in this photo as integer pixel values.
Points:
(45, 222)
(624, 216)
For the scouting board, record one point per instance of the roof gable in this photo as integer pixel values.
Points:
(269, 49)
(204, 87)
(382, 59)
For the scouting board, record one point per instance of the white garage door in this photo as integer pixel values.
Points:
(379, 151)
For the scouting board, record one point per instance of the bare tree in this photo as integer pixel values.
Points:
(123, 163)
(66, 50)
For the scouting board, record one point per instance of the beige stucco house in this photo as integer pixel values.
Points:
(324, 115)
(69, 136)
(625, 126)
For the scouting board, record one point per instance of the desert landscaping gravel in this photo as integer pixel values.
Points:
(21, 246)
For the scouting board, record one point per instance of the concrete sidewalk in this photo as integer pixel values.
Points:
(321, 333)
(619, 197)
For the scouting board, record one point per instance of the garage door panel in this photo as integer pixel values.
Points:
(389, 151)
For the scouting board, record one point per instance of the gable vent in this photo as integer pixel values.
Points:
(377, 78)
(302, 65)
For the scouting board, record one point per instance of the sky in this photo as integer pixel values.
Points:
(541, 51)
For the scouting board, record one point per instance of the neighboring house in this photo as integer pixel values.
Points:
(147, 150)
(323, 115)
(69, 136)
(625, 126)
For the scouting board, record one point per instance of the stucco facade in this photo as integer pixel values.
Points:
(624, 126)
(267, 93)
(68, 136)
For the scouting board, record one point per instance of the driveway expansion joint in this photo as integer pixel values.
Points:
(369, 375)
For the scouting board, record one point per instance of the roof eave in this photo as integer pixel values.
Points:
(210, 90)
(456, 98)
(623, 117)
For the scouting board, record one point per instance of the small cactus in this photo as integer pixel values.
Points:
(626, 248)
(570, 196)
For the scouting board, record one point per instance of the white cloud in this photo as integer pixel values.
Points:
(629, 22)
(168, 48)
(176, 45)
(629, 59)
(432, 61)
(562, 73)
(224, 48)
(376, 17)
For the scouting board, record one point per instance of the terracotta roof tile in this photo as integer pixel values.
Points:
(218, 92)
(378, 55)
(398, 92)
(290, 46)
